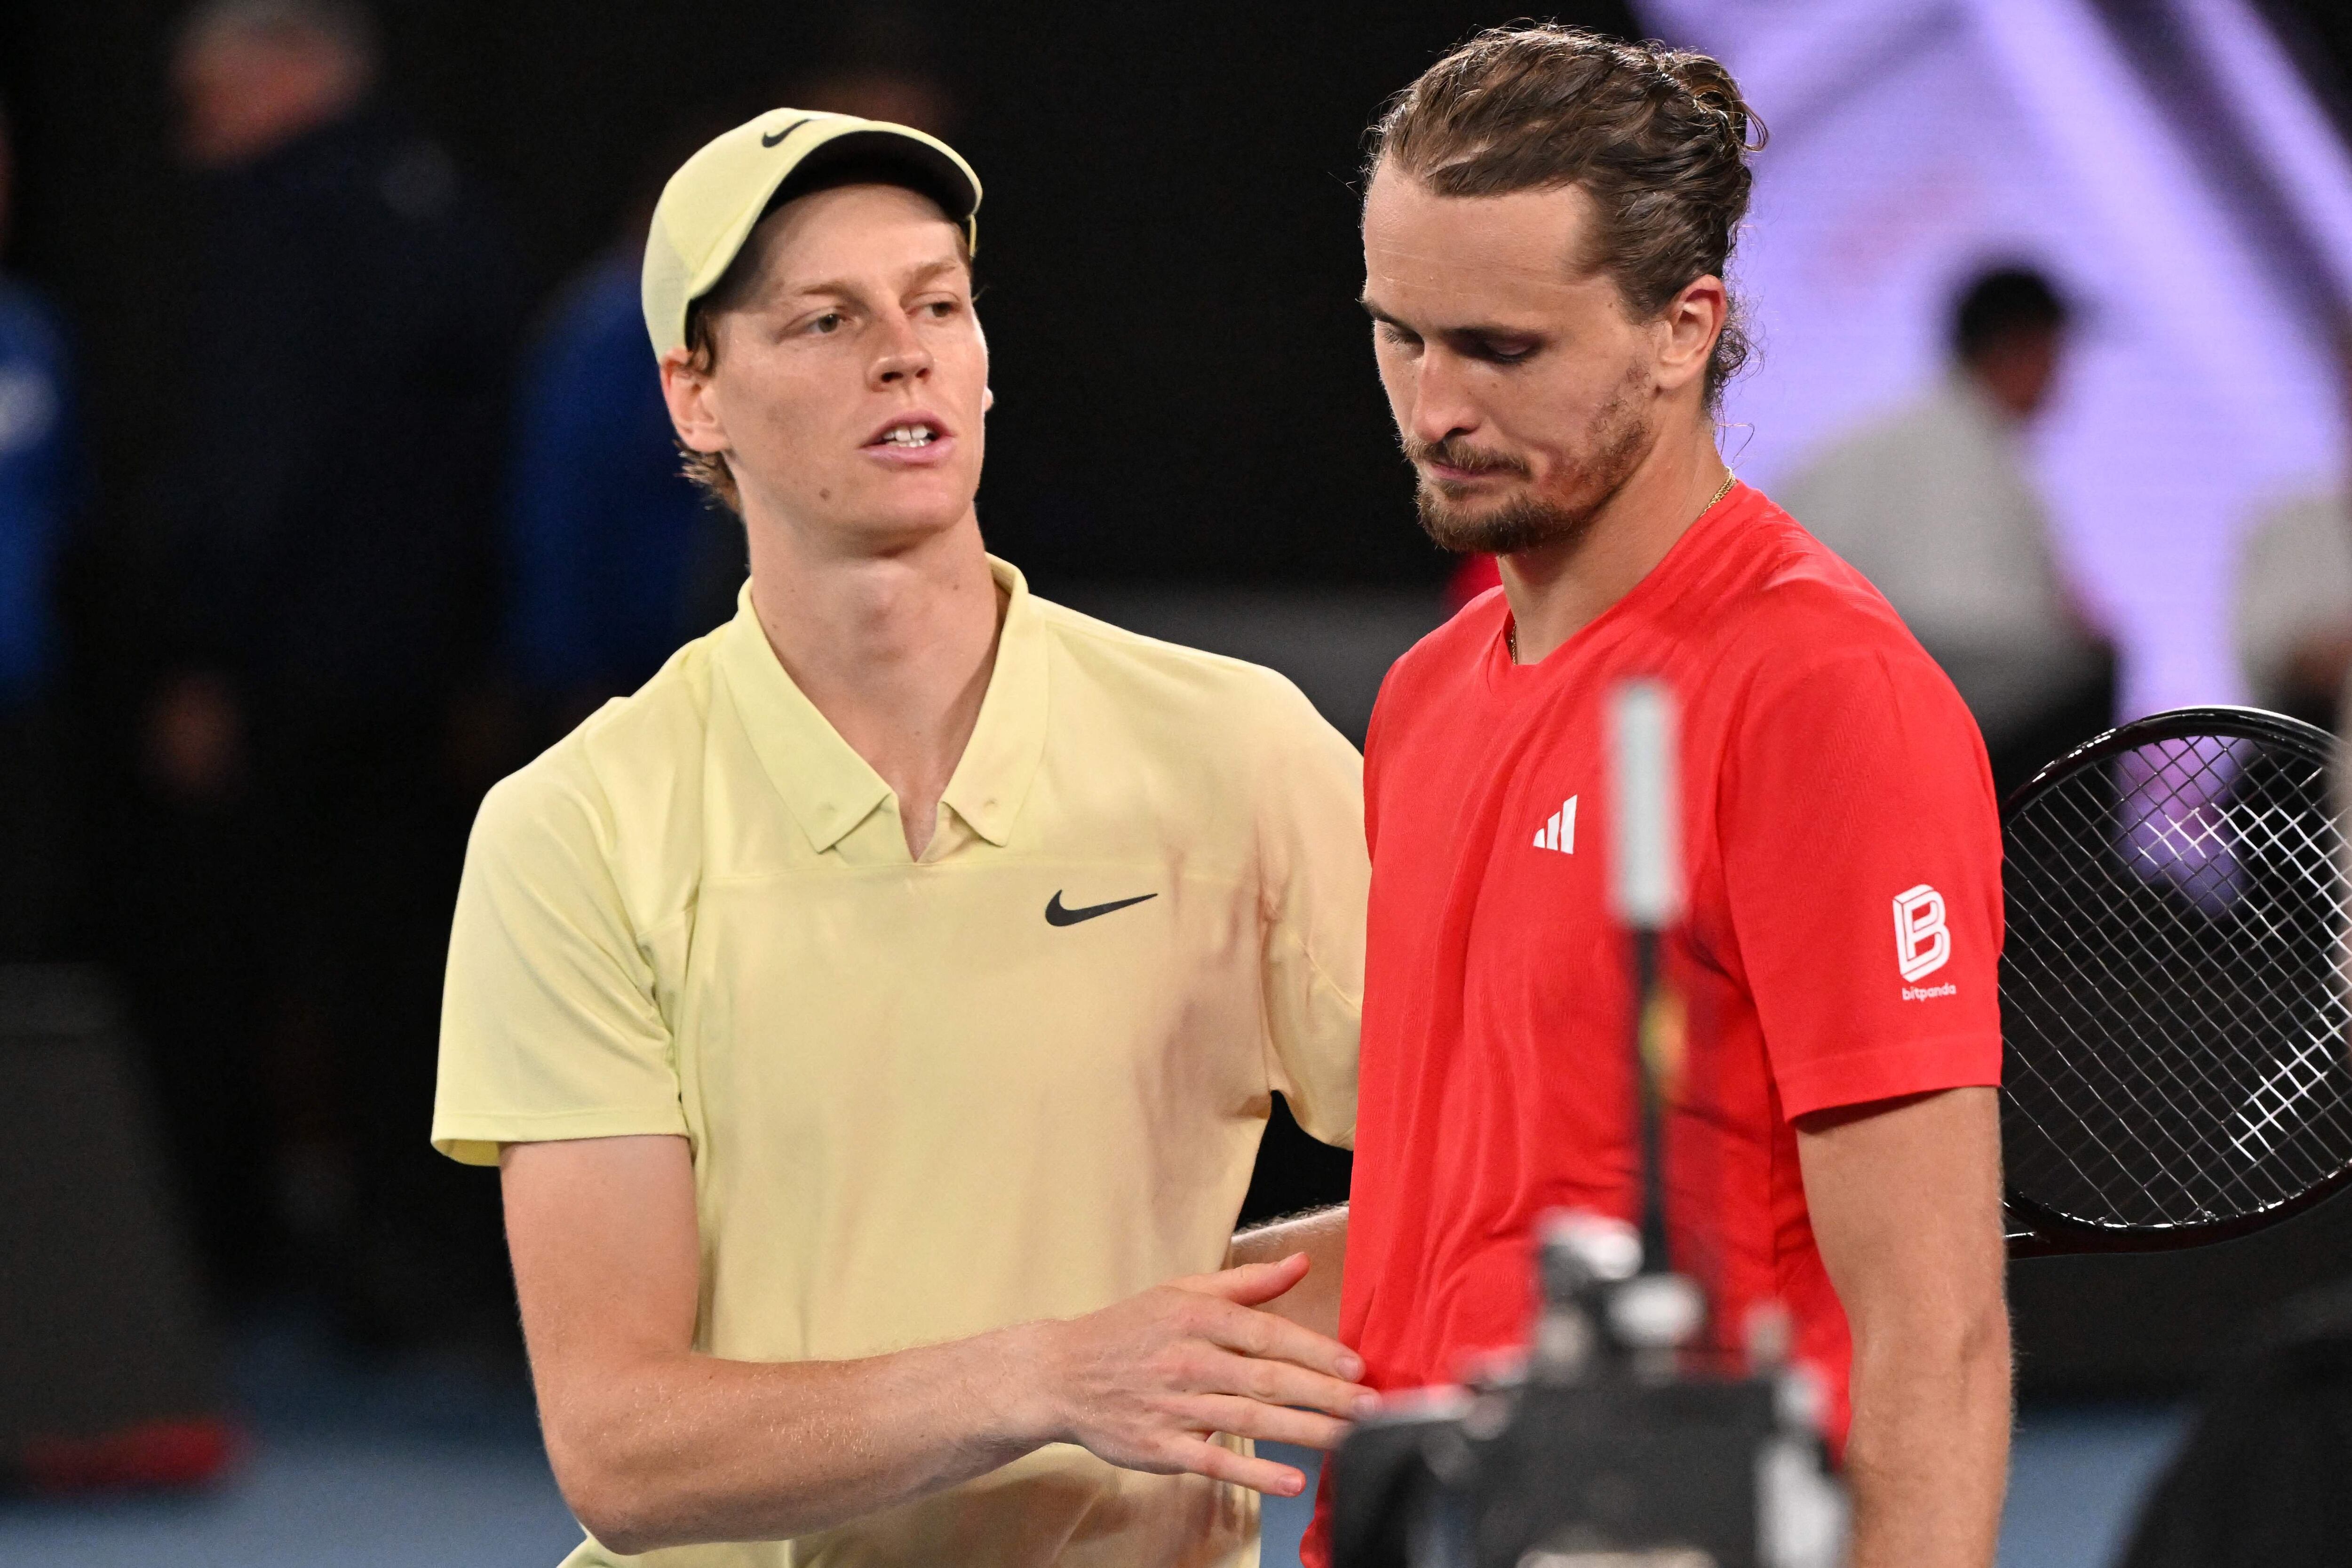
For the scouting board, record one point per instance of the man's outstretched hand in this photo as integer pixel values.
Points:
(657, 1445)
(1147, 1382)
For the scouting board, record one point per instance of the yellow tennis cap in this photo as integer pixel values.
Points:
(712, 204)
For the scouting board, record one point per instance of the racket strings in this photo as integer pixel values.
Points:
(2173, 990)
(2196, 1096)
(2159, 1096)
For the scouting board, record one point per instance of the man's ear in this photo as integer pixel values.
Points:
(692, 410)
(1689, 326)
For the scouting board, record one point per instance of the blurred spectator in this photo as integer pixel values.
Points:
(38, 488)
(614, 558)
(331, 512)
(882, 62)
(1932, 504)
(604, 526)
(2293, 614)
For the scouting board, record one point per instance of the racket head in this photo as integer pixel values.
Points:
(2177, 1043)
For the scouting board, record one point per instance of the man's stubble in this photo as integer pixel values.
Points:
(1618, 436)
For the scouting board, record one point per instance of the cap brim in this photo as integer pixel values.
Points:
(901, 159)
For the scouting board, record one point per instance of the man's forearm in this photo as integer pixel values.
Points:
(1322, 1235)
(1928, 1455)
(658, 1449)
(690, 1447)
(655, 1446)
(1905, 1197)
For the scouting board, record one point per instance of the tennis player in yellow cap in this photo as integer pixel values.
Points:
(874, 1018)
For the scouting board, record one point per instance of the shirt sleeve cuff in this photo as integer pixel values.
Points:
(474, 1140)
(1889, 1072)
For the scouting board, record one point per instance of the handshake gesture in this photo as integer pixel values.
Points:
(1147, 1381)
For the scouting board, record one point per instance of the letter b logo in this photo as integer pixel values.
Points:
(1923, 943)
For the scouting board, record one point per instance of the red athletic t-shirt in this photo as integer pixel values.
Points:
(1841, 851)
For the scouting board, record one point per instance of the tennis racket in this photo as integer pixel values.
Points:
(2174, 1000)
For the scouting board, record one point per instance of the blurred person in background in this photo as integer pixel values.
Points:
(1934, 506)
(2292, 612)
(883, 63)
(331, 514)
(613, 556)
(39, 487)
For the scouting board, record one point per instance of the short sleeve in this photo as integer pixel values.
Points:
(550, 1027)
(1861, 852)
(1315, 876)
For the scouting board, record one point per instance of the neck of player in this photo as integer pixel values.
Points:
(893, 643)
(1558, 590)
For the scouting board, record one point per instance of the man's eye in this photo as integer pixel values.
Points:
(1390, 333)
(829, 322)
(1504, 353)
(942, 309)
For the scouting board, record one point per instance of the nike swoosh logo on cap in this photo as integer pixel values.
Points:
(1056, 915)
(787, 131)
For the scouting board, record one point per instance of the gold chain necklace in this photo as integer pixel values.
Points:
(1511, 632)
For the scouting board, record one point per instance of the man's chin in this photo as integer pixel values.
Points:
(899, 527)
(898, 514)
(1503, 527)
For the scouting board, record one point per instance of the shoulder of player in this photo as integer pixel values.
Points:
(1234, 737)
(631, 770)
(1451, 647)
(1788, 587)
(1189, 686)
(1420, 697)
(1799, 614)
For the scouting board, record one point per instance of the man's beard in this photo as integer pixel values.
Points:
(1613, 445)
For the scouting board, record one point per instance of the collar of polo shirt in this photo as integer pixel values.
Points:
(831, 789)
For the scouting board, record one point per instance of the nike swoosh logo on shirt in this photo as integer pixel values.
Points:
(1056, 915)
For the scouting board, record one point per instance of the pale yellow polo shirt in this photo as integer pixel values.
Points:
(922, 1105)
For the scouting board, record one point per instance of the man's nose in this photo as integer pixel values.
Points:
(1441, 404)
(904, 357)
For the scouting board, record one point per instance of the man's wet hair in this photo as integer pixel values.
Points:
(1657, 137)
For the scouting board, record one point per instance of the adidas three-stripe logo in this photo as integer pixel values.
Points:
(1559, 833)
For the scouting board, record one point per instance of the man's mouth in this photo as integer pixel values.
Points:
(909, 435)
(1451, 462)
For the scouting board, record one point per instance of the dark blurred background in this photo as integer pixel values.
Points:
(1168, 247)
(254, 846)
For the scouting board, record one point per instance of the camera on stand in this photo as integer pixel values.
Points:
(1618, 1442)
(1604, 1449)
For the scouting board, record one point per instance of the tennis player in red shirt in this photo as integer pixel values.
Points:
(1547, 222)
